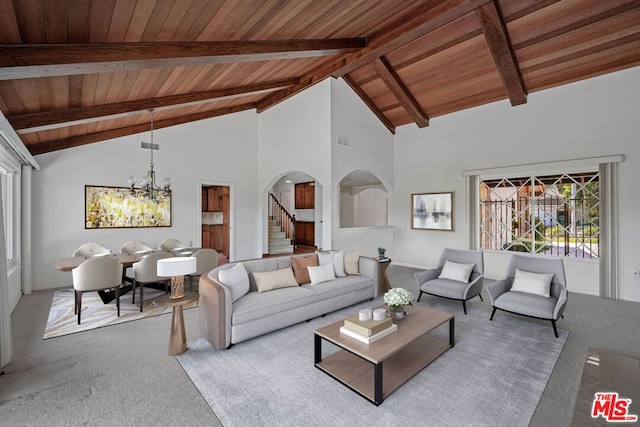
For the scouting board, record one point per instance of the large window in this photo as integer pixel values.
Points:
(553, 215)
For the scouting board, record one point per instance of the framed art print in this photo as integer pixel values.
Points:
(432, 211)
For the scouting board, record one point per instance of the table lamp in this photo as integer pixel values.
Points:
(176, 268)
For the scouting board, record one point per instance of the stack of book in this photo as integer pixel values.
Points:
(367, 331)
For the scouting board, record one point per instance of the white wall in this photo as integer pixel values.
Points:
(595, 117)
(222, 149)
(370, 149)
(295, 136)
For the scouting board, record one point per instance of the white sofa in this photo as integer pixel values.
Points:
(224, 323)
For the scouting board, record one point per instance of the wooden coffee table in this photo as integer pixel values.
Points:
(376, 370)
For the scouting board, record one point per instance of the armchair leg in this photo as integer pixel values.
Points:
(555, 330)
(480, 295)
(492, 313)
(420, 296)
(118, 299)
(464, 306)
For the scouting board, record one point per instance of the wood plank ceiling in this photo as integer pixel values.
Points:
(75, 72)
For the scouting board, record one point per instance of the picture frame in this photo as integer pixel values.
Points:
(116, 207)
(432, 211)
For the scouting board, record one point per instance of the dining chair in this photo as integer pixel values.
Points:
(206, 259)
(96, 274)
(91, 249)
(145, 272)
(171, 244)
(133, 246)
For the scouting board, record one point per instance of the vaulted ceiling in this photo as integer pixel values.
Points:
(75, 72)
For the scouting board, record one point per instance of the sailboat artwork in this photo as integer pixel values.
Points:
(432, 211)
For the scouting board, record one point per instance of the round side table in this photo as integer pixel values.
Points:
(177, 336)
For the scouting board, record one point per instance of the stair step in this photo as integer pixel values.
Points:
(277, 235)
(279, 243)
(281, 250)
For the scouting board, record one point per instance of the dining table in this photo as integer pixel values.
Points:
(127, 260)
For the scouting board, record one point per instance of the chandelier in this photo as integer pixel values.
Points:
(148, 187)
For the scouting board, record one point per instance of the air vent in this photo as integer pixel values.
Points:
(148, 146)
(343, 140)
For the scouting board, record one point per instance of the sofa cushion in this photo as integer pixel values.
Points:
(456, 271)
(527, 304)
(341, 286)
(300, 264)
(255, 306)
(321, 273)
(351, 263)
(270, 280)
(532, 283)
(445, 288)
(236, 279)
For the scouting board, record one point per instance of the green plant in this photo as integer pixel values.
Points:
(381, 250)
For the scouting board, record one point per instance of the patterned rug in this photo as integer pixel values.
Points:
(96, 314)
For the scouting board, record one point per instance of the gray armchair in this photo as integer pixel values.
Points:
(528, 304)
(430, 283)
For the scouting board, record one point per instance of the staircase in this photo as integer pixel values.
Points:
(278, 241)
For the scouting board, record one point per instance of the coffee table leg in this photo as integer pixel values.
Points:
(317, 348)
(377, 378)
(177, 337)
(452, 335)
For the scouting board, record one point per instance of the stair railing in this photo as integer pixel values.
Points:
(284, 219)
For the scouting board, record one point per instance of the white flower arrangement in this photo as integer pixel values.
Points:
(398, 297)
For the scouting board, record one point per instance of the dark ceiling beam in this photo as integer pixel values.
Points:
(432, 15)
(369, 102)
(36, 122)
(75, 141)
(400, 91)
(32, 61)
(497, 38)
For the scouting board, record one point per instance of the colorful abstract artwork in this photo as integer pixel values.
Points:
(116, 207)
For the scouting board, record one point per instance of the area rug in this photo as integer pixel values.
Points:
(494, 376)
(96, 314)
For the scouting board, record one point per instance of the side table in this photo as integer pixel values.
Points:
(177, 336)
(383, 281)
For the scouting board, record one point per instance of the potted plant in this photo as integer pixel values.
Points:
(381, 252)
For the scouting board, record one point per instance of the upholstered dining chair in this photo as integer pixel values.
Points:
(96, 274)
(133, 246)
(533, 287)
(459, 276)
(145, 272)
(170, 244)
(206, 259)
(91, 249)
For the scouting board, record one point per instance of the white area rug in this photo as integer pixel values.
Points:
(96, 314)
(494, 376)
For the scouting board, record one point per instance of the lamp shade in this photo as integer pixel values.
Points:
(178, 266)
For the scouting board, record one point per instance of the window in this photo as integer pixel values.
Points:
(6, 182)
(553, 215)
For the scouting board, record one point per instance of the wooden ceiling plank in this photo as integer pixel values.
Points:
(369, 103)
(55, 145)
(31, 61)
(202, 20)
(122, 14)
(400, 91)
(12, 98)
(436, 15)
(75, 91)
(55, 20)
(101, 15)
(171, 24)
(78, 22)
(30, 21)
(9, 31)
(497, 38)
(87, 114)
(141, 19)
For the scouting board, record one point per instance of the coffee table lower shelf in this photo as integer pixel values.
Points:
(360, 375)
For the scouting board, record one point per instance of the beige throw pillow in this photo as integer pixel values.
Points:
(351, 265)
(269, 280)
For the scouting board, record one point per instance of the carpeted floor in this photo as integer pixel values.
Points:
(494, 376)
(95, 314)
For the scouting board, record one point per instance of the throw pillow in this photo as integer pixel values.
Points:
(456, 271)
(351, 263)
(321, 273)
(236, 279)
(300, 265)
(338, 263)
(276, 279)
(532, 283)
(325, 258)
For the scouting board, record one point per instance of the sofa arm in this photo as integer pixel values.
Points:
(426, 275)
(369, 267)
(215, 312)
(561, 304)
(498, 288)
